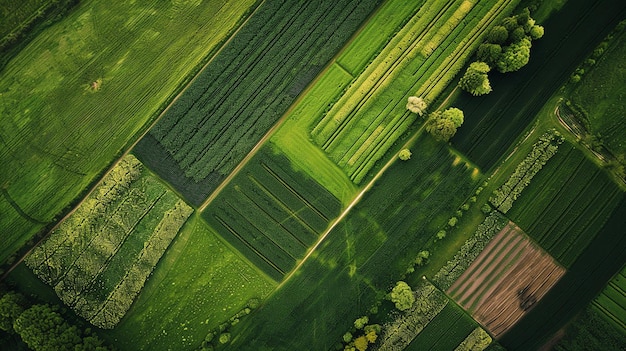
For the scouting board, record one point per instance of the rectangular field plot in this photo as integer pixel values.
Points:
(506, 280)
(612, 301)
(248, 86)
(271, 213)
(566, 204)
(420, 59)
(98, 259)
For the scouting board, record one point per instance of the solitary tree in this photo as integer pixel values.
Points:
(416, 105)
(475, 80)
(402, 296)
(443, 125)
(404, 154)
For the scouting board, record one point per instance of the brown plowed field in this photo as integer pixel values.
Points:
(506, 280)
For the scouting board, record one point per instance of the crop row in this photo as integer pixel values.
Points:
(250, 84)
(272, 213)
(472, 247)
(567, 204)
(477, 340)
(367, 120)
(117, 234)
(612, 300)
(445, 332)
(542, 151)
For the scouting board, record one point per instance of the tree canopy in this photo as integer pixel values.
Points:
(404, 154)
(443, 125)
(475, 80)
(12, 304)
(514, 56)
(416, 105)
(402, 296)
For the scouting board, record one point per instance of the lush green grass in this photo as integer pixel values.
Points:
(99, 257)
(272, 213)
(421, 59)
(292, 138)
(591, 331)
(566, 204)
(362, 256)
(602, 93)
(612, 301)
(199, 283)
(82, 89)
(251, 84)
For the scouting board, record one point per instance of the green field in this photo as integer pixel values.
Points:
(612, 301)
(271, 213)
(80, 91)
(199, 283)
(16, 13)
(421, 59)
(445, 332)
(99, 257)
(248, 88)
(364, 253)
(601, 95)
(566, 204)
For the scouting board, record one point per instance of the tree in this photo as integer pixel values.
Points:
(443, 125)
(359, 323)
(489, 53)
(498, 35)
(360, 343)
(42, 328)
(347, 337)
(402, 296)
(536, 32)
(475, 80)
(416, 105)
(518, 34)
(12, 305)
(514, 56)
(224, 338)
(404, 154)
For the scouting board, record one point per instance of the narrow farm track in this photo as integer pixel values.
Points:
(130, 148)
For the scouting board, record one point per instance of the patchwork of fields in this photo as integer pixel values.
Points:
(244, 91)
(286, 112)
(421, 59)
(271, 213)
(98, 259)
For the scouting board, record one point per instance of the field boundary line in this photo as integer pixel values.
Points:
(132, 146)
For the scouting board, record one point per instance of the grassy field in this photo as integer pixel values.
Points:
(363, 255)
(249, 86)
(99, 257)
(421, 59)
(84, 88)
(199, 283)
(566, 204)
(612, 301)
(271, 213)
(601, 94)
(445, 332)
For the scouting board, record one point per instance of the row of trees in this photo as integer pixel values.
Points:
(43, 327)
(507, 49)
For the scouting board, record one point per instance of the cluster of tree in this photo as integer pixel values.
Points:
(542, 151)
(361, 336)
(507, 49)
(221, 334)
(43, 327)
(443, 125)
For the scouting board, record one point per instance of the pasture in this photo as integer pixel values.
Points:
(199, 283)
(84, 88)
(566, 204)
(420, 59)
(364, 254)
(508, 277)
(271, 213)
(98, 259)
(601, 94)
(249, 85)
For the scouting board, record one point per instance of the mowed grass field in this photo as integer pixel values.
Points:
(601, 93)
(83, 89)
(612, 301)
(248, 88)
(566, 204)
(271, 213)
(200, 282)
(420, 59)
(363, 255)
